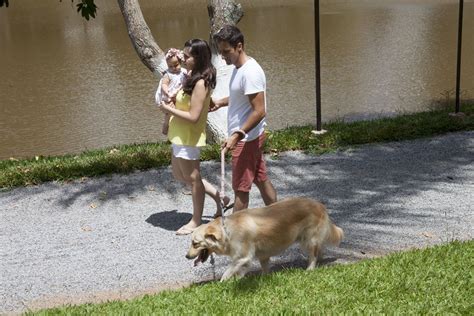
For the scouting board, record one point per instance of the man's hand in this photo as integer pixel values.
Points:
(217, 104)
(213, 107)
(230, 142)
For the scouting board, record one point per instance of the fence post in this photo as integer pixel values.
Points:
(317, 53)
(458, 66)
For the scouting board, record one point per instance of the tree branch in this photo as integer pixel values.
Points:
(142, 40)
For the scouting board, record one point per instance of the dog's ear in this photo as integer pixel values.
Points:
(212, 234)
(211, 237)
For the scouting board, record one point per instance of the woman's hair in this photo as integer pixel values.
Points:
(203, 68)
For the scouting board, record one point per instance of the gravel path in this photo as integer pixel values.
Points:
(113, 237)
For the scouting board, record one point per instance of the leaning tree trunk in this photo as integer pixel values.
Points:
(220, 12)
(142, 39)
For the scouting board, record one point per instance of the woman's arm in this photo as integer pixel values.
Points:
(197, 104)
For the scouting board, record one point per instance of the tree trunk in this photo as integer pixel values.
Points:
(145, 45)
(221, 12)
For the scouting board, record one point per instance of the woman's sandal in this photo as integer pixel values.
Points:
(184, 230)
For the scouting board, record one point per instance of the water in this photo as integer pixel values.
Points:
(68, 85)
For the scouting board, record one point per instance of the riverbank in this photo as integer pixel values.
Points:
(130, 158)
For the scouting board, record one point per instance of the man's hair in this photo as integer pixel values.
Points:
(230, 34)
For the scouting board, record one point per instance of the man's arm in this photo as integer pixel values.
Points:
(217, 104)
(257, 101)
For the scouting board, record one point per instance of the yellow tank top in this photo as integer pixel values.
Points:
(182, 132)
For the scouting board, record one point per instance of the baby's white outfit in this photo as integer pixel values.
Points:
(176, 80)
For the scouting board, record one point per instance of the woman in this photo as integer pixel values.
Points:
(187, 128)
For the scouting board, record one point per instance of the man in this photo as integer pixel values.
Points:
(245, 119)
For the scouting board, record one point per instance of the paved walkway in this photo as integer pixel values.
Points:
(113, 237)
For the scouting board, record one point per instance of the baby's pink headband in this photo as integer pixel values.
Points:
(174, 52)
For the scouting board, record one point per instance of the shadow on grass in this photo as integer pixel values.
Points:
(254, 279)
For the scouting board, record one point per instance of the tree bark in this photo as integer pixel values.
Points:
(221, 12)
(142, 40)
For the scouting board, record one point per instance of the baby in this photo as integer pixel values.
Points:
(171, 82)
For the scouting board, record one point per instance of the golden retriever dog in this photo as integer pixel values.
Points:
(265, 232)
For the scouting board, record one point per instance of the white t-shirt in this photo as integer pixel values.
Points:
(247, 79)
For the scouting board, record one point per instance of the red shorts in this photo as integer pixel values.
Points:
(248, 164)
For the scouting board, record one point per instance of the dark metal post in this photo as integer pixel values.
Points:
(458, 68)
(318, 64)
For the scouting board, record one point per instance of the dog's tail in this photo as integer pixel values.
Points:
(336, 234)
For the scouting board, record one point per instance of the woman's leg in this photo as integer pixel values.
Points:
(176, 169)
(178, 175)
(191, 174)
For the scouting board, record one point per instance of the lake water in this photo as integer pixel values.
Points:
(68, 85)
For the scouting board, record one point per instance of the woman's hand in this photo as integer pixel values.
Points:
(166, 107)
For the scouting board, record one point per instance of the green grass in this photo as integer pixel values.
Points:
(128, 158)
(436, 280)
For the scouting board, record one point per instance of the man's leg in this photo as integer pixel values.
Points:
(241, 200)
(263, 183)
(267, 191)
(242, 174)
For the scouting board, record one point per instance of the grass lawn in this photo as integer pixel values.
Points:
(128, 158)
(438, 280)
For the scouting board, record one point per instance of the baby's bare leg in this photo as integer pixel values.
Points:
(166, 124)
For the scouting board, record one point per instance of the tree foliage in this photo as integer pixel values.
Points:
(87, 8)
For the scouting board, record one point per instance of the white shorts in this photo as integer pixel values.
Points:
(186, 152)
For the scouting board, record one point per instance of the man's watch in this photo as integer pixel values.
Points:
(240, 132)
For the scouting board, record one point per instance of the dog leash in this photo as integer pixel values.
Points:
(224, 208)
(222, 191)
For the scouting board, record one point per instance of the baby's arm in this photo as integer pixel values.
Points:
(165, 85)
